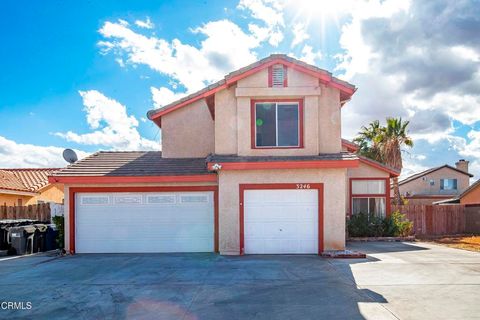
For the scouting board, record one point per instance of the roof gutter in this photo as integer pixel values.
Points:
(131, 179)
(18, 192)
(307, 164)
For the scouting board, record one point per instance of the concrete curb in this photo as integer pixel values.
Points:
(382, 239)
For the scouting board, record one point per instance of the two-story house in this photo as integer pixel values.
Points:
(436, 184)
(252, 164)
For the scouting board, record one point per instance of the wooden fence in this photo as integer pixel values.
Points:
(35, 212)
(432, 220)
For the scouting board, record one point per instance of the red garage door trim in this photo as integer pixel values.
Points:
(73, 191)
(280, 186)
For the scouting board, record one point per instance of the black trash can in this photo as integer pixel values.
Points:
(51, 237)
(4, 226)
(39, 238)
(22, 238)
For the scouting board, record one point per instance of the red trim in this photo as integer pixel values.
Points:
(439, 196)
(380, 167)
(325, 77)
(286, 165)
(277, 186)
(73, 191)
(133, 179)
(350, 146)
(285, 76)
(253, 124)
(386, 195)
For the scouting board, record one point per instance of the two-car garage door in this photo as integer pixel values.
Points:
(144, 222)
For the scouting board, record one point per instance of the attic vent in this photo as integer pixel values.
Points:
(278, 76)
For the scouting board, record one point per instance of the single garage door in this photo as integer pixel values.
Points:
(280, 221)
(144, 222)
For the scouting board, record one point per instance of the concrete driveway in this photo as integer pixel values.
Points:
(405, 281)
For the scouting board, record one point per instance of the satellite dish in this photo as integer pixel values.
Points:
(70, 156)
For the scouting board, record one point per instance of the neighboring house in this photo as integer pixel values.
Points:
(20, 187)
(436, 184)
(254, 163)
(471, 196)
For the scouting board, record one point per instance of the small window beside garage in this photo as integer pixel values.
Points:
(368, 187)
(128, 199)
(94, 200)
(161, 199)
(369, 196)
(193, 198)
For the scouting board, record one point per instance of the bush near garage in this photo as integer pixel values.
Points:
(59, 221)
(369, 225)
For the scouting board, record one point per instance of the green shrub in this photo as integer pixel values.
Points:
(60, 223)
(369, 225)
(397, 225)
(365, 225)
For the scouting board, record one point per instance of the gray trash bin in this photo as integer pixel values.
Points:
(22, 238)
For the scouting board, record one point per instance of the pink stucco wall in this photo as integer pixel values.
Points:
(322, 117)
(188, 132)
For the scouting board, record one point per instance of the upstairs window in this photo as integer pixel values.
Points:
(448, 184)
(277, 76)
(277, 124)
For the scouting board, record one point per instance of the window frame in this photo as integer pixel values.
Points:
(253, 125)
(386, 195)
(368, 202)
(442, 184)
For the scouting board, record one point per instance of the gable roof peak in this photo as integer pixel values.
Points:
(324, 76)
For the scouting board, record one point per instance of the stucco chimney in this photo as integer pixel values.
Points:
(462, 164)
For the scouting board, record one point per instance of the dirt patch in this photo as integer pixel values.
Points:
(471, 243)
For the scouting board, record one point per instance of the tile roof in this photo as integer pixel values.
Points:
(152, 113)
(421, 174)
(133, 163)
(391, 170)
(26, 180)
(326, 156)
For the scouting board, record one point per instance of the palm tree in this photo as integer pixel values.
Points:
(390, 141)
(367, 141)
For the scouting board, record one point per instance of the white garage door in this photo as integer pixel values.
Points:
(144, 222)
(280, 221)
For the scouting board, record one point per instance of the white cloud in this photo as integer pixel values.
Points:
(18, 155)
(120, 62)
(270, 12)
(411, 166)
(299, 34)
(163, 96)
(412, 59)
(310, 56)
(112, 126)
(146, 24)
(225, 48)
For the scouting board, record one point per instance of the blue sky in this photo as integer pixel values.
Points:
(83, 74)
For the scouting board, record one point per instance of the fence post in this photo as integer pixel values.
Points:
(429, 219)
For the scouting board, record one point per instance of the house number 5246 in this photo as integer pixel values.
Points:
(303, 186)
